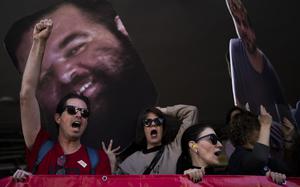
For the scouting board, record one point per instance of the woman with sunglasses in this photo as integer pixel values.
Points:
(251, 136)
(201, 149)
(155, 155)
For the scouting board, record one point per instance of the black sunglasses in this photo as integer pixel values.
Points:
(72, 110)
(157, 122)
(212, 137)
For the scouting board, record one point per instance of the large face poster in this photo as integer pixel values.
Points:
(254, 80)
(88, 52)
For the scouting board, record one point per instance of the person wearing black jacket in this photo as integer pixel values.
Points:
(251, 136)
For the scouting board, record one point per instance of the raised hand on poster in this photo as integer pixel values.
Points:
(42, 29)
(89, 52)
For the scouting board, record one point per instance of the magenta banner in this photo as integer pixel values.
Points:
(146, 180)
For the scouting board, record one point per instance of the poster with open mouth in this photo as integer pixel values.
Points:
(88, 52)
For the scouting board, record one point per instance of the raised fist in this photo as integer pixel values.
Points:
(265, 118)
(42, 29)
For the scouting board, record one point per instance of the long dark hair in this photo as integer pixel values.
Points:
(190, 134)
(140, 142)
(140, 139)
(170, 129)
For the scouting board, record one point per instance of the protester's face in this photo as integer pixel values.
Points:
(153, 133)
(72, 126)
(208, 153)
(80, 56)
(243, 28)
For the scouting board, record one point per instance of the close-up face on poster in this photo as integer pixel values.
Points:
(140, 73)
(88, 52)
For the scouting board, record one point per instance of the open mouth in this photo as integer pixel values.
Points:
(218, 153)
(85, 87)
(83, 83)
(153, 133)
(76, 124)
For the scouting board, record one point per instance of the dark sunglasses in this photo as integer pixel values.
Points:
(72, 110)
(60, 162)
(157, 122)
(212, 137)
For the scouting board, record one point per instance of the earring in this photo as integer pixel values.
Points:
(195, 147)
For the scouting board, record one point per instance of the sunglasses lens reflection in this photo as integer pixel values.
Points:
(73, 110)
(84, 113)
(213, 139)
(157, 122)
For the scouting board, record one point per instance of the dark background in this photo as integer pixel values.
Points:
(183, 45)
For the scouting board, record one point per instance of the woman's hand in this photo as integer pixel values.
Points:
(21, 175)
(195, 175)
(278, 178)
(112, 155)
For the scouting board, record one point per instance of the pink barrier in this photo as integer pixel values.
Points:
(145, 181)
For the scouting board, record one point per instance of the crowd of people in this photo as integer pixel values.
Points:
(194, 151)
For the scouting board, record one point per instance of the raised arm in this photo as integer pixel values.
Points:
(258, 157)
(265, 120)
(30, 112)
(112, 154)
(188, 116)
